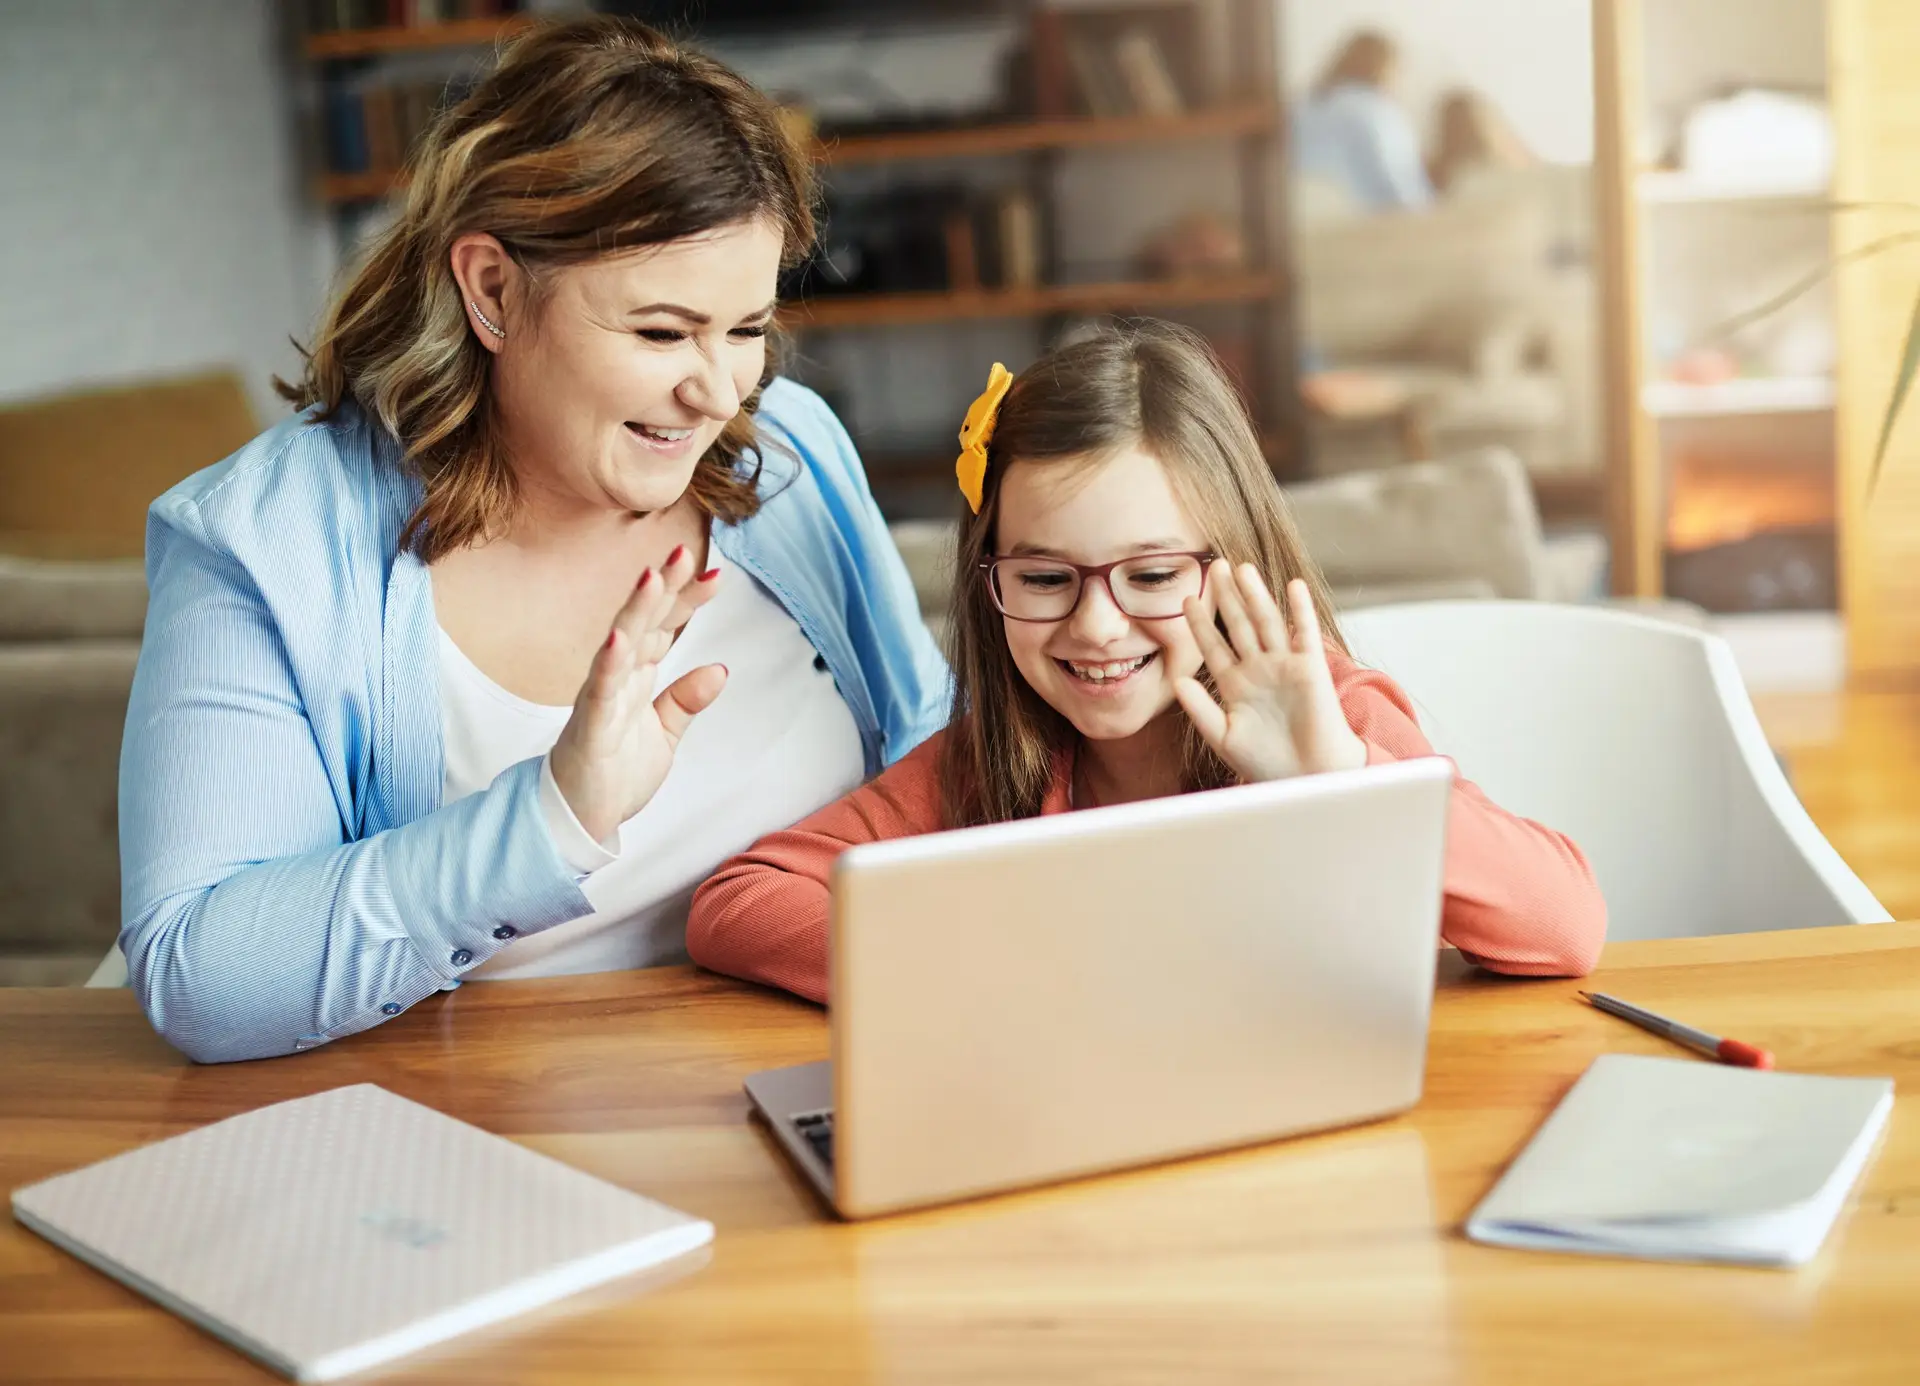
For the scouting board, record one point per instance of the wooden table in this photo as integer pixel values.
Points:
(1335, 1258)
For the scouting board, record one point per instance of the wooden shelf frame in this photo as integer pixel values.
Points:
(896, 309)
(359, 187)
(339, 44)
(1241, 121)
(1672, 399)
(1237, 120)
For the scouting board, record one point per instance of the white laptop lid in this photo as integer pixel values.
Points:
(333, 1232)
(1087, 991)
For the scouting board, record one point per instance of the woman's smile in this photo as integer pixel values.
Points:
(1105, 678)
(663, 442)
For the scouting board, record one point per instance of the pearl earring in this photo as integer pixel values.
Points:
(485, 321)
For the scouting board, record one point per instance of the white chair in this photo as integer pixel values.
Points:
(1633, 736)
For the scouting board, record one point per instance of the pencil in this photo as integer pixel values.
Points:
(1727, 1051)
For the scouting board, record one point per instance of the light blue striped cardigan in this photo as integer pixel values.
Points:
(288, 872)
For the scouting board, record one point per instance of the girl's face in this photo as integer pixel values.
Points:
(1108, 673)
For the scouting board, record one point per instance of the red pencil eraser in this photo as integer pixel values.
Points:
(1745, 1055)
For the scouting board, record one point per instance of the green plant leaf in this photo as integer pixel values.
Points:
(1902, 382)
(1807, 284)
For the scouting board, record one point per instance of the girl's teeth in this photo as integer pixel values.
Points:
(1102, 673)
(666, 435)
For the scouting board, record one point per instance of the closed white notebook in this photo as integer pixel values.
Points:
(1683, 1160)
(335, 1232)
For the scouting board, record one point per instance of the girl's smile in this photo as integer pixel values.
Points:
(1107, 675)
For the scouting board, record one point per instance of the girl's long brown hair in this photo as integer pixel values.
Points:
(1151, 385)
(588, 139)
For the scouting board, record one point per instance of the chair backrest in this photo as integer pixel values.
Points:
(1633, 736)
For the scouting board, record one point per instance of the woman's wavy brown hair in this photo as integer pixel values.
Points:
(1156, 386)
(588, 139)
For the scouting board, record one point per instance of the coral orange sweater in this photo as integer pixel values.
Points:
(1519, 897)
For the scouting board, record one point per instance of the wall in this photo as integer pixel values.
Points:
(1534, 58)
(152, 218)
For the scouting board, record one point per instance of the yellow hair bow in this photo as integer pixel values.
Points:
(977, 432)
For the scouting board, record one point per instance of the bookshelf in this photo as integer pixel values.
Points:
(1019, 274)
(1779, 442)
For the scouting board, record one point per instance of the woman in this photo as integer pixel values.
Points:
(548, 599)
(1351, 134)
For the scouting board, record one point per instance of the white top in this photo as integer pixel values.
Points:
(778, 743)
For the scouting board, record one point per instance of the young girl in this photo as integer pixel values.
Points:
(1116, 638)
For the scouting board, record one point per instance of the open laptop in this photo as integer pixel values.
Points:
(1026, 1002)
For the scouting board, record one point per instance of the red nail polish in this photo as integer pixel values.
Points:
(710, 575)
(645, 578)
(611, 636)
(679, 552)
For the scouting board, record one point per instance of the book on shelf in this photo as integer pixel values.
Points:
(963, 253)
(345, 118)
(384, 150)
(1049, 70)
(372, 126)
(1096, 78)
(1117, 61)
(1145, 76)
(1017, 236)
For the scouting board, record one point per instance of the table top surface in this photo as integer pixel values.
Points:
(1335, 1257)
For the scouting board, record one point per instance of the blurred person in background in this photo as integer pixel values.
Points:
(1351, 133)
(1472, 137)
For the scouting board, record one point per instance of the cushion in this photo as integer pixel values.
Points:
(48, 600)
(77, 472)
(63, 707)
(1468, 519)
(926, 546)
(1375, 286)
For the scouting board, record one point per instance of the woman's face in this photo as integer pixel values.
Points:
(635, 365)
(1106, 672)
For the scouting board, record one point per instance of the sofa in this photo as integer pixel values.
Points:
(69, 638)
(1480, 307)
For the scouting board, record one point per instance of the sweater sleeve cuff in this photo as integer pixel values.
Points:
(576, 847)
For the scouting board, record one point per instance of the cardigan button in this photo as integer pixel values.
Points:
(820, 663)
(461, 957)
(391, 1008)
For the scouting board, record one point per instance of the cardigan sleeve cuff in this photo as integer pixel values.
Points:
(576, 847)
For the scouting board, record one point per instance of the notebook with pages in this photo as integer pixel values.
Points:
(1678, 1160)
(331, 1233)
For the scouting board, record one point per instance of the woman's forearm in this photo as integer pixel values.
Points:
(288, 953)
